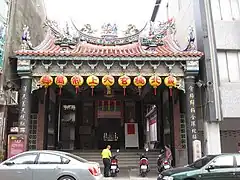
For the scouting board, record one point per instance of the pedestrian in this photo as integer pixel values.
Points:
(168, 154)
(106, 156)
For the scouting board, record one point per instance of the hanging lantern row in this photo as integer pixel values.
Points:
(108, 81)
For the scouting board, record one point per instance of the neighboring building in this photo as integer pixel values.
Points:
(20, 13)
(226, 19)
(3, 25)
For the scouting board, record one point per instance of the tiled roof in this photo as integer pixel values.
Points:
(84, 49)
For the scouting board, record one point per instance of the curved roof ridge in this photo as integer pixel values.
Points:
(172, 44)
(49, 36)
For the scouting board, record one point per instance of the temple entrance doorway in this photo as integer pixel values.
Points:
(110, 133)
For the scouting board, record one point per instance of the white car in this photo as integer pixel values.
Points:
(49, 165)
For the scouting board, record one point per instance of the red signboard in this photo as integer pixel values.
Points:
(131, 128)
(16, 144)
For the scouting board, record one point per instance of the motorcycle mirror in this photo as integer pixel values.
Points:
(117, 150)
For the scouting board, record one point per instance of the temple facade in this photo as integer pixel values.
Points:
(86, 91)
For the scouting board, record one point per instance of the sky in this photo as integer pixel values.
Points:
(98, 12)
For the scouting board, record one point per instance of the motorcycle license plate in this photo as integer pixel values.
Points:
(144, 167)
(166, 166)
(113, 167)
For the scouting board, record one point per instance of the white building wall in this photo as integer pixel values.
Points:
(226, 16)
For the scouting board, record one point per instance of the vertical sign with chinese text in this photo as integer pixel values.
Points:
(192, 110)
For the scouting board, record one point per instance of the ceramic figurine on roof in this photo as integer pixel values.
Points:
(66, 39)
(157, 32)
(108, 35)
(131, 30)
(191, 39)
(53, 25)
(109, 30)
(26, 43)
(87, 28)
(62, 36)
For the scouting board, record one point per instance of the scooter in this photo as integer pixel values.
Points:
(114, 169)
(160, 161)
(165, 165)
(144, 164)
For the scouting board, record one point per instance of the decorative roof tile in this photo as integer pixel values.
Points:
(49, 48)
(153, 45)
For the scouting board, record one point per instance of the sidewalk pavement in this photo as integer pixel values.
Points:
(133, 174)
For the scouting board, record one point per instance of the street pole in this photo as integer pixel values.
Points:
(210, 76)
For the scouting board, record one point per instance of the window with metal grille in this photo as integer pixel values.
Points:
(33, 132)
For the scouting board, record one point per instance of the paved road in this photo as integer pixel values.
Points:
(133, 174)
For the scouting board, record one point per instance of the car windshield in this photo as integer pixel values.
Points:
(76, 158)
(201, 162)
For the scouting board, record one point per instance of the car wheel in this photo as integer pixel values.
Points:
(66, 178)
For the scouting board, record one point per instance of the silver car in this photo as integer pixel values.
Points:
(49, 165)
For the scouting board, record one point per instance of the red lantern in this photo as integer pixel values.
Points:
(92, 81)
(155, 81)
(46, 81)
(60, 81)
(139, 81)
(170, 82)
(124, 81)
(77, 81)
(108, 81)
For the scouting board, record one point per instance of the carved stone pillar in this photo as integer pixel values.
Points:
(25, 105)
(191, 119)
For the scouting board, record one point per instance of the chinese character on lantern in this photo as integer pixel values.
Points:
(46, 81)
(124, 81)
(108, 81)
(155, 81)
(92, 81)
(77, 81)
(139, 81)
(170, 82)
(60, 81)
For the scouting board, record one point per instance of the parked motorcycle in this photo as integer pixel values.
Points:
(114, 169)
(160, 160)
(162, 163)
(144, 164)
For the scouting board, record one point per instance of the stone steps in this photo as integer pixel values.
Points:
(127, 159)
